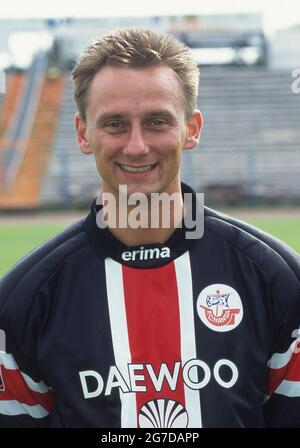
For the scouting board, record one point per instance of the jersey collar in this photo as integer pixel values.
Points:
(106, 245)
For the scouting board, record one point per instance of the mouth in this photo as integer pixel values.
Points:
(137, 169)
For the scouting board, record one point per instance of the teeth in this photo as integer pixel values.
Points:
(135, 169)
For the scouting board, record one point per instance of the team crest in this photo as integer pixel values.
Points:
(220, 307)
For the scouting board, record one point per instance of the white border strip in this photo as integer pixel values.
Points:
(8, 362)
(279, 360)
(187, 333)
(40, 387)
(13, 407)
(119, 330)
(289, 388)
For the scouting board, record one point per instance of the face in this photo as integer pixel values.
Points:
(136, 128)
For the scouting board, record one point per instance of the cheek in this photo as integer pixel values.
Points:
(104, 158)
(170, 143)
(109, 146)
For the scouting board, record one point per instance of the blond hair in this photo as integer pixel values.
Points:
(136, 48)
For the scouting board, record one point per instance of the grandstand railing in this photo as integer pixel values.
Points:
(18, 133)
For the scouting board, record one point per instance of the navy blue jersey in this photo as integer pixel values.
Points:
(190, 333)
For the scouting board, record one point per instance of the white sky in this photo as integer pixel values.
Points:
(277, 13)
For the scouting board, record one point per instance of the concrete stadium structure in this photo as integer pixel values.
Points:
(250, 140)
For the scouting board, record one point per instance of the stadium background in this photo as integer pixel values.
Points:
(248, 158)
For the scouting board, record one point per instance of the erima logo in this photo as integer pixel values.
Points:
(146, 254)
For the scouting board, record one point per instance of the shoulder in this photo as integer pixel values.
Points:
(259, 246)
(32, 270)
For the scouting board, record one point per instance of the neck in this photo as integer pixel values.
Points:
(147, 223)
(135, 237)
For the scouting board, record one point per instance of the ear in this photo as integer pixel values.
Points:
(81, 135)
(194, 125)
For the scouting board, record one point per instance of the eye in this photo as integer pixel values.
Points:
(115, 127)
(158, 122)
(113, 124)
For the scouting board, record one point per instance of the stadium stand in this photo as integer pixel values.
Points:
(31, 143)
(19, 128)
(251, 134)
(250, 143)
(249, 146)
(71, 176)
(8, 102)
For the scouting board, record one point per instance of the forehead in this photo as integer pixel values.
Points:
(117, 87)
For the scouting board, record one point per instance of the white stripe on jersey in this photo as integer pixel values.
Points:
(187, 334)
(120, 341)
(279, 360)
(8, 361)
(289, 388)
(13, 407)
(40, 387)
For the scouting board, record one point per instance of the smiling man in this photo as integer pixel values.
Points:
(137, 117)
(137, 127)
(140, 325)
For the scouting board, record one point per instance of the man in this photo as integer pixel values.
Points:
(113, 324)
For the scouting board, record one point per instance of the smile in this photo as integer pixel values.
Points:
(137, 169)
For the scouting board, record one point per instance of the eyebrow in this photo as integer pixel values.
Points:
(121, 116)
(109, 116)
(160, 113)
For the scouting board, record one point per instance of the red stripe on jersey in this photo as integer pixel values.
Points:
(15, 388)
(153, 322)
(289, 372)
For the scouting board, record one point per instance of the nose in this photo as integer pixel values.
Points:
(136, 145)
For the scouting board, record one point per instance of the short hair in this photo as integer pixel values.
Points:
(136, 48)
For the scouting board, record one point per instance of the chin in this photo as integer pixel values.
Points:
(146, 191)
(142, 188)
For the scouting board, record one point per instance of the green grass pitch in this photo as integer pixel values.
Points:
(16, 240)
